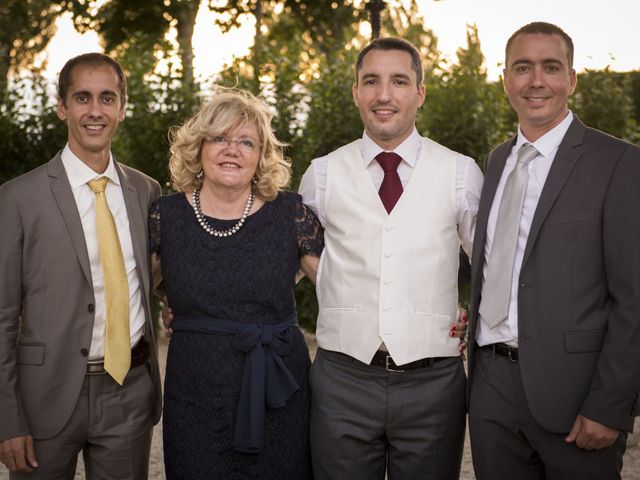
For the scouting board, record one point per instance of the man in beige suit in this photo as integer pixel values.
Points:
(78, 364)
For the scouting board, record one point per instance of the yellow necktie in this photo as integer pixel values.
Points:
(117, 342)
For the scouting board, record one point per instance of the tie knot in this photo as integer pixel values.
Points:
(98, 185)
(389, 161)
(527, 153)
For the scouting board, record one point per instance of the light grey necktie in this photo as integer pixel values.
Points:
(496, 289)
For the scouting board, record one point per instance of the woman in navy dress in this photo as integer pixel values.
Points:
(230, 244)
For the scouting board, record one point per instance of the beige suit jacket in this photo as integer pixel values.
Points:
(45, 271)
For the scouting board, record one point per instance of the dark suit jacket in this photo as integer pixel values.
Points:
(44, 267)
(579, 292)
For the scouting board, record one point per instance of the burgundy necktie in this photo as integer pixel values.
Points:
(391, 187)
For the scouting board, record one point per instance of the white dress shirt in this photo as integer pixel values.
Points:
(547, 146)
(468, 182)
(79, 174)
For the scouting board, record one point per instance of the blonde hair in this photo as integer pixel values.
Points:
(227, 110)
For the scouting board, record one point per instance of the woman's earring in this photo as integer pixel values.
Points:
(200, 174)
(254, 180)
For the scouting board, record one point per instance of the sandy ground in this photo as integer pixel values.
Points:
(631, 470)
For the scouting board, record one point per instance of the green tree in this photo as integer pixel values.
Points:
(144, 23)
(30, 131)
(463, 109)
(157, 103)
(26, 27)
(603, 100)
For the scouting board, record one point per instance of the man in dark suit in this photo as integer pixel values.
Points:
(78, 363)
(554, 363)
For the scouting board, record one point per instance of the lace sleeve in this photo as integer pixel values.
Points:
(309, 230)
(154, 227)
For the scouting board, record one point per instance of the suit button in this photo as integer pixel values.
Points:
(91, 308)
(84, 352)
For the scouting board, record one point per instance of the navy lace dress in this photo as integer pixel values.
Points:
(246, 278)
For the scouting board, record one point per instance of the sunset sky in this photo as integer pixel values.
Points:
(604, 33)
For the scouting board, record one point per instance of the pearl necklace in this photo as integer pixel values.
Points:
(205, 225)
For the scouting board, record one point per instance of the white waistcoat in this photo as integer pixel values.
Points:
(389, 277)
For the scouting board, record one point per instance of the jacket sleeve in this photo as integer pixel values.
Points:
(613, 397)
(13, 421)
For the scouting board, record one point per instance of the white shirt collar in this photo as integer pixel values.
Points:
(408, 150)
(79, 173)
(550, 141)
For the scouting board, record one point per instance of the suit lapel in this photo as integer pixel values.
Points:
(63, 196)
(561, 168)
(137, 223)
(137, 226)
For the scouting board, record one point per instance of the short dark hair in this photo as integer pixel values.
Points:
(392, 43)
(543, 28)
(93, 59)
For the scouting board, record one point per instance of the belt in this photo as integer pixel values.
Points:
(504, 350)
(138, 357)
(383, 359)
(266, 381)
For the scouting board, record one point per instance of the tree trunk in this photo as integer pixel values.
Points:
(256, 60)
(185, 14)
(5, 62)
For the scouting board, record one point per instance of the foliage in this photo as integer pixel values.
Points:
(157, 103)
(463, 110)
(603, 100)
(26, 26)
(123, 24)
(30, 130)
(405, 21)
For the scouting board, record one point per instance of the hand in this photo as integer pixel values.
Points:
(18, 455)
(591, 435)
(460, 330)
(167, 317)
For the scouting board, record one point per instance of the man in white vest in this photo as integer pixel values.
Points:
(388, 382)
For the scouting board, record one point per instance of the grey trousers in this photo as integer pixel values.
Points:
(366, 421)
(507, 442)
(110, 424)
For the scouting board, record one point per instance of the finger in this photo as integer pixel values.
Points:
(602, 442)
(586, 443)
(583, 440)
(9, 461)
(607, 443)
(575, 431)
(31, 454)
(21, 464)
(458, 329)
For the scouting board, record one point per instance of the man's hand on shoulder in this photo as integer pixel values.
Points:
(591, 435)
(18, 455)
